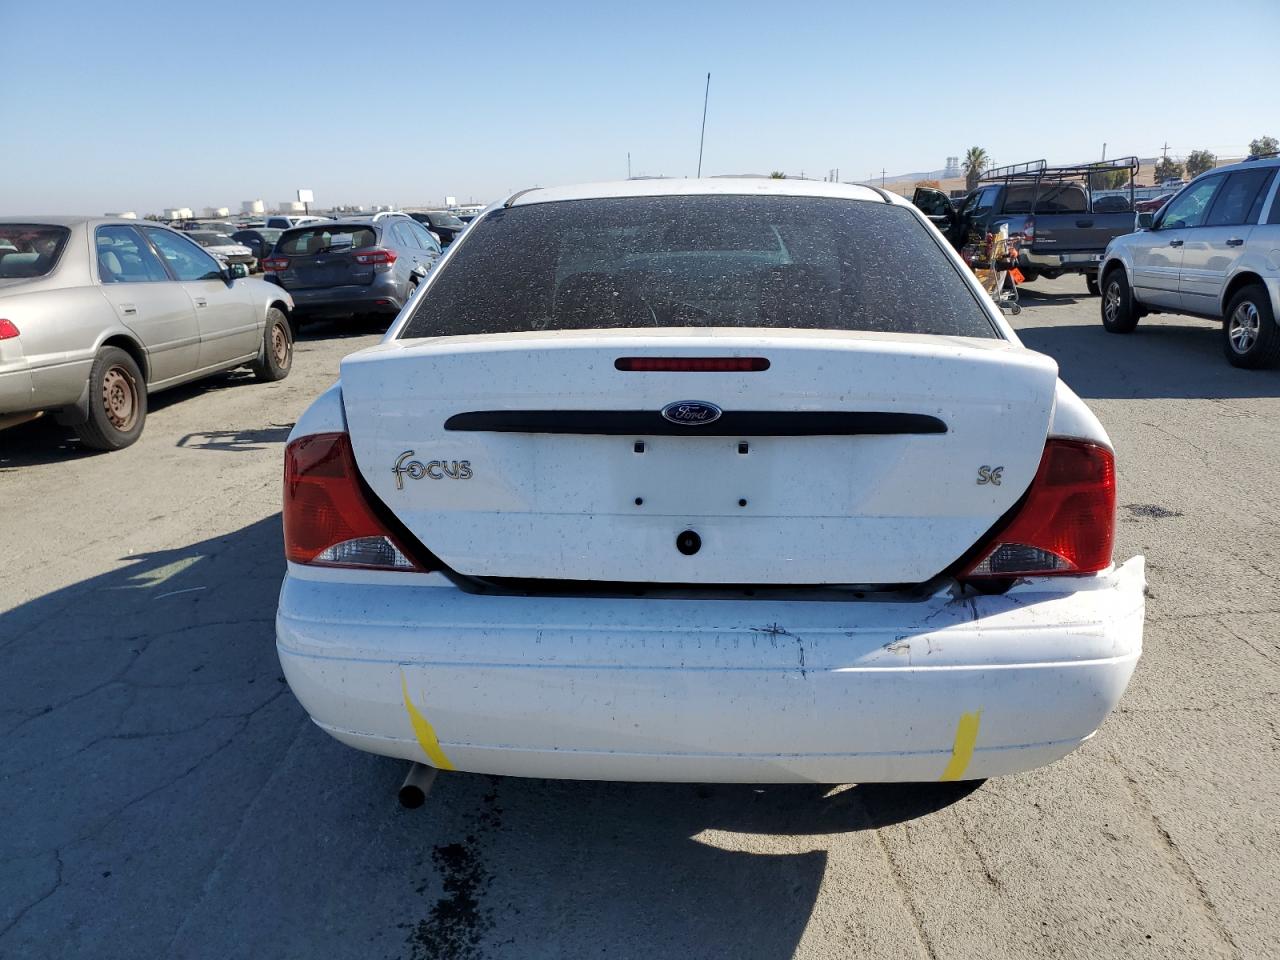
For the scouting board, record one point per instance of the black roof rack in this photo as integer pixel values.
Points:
(1035, 170)
(1262, 156)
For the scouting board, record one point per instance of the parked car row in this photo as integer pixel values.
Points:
(362, 265)
(96, 314)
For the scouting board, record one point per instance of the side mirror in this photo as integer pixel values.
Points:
(1145, 220)
(235, 271)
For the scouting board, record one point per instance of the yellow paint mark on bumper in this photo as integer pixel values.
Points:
(423, 730)
(962, 752)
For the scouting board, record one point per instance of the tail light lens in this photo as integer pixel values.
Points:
(376, 255)
(1066, 524)
(8, 330)
(275, 264)
(327, 519)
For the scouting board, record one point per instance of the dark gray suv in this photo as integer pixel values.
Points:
(364, 265)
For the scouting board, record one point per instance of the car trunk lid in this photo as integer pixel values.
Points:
(854, 458)
(1079, 232)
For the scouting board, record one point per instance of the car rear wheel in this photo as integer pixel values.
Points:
(277, 349)
(1091, 284)
(117, 402)
(1118, 312)
(1249, 335)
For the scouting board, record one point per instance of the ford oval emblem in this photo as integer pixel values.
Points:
(691, 413)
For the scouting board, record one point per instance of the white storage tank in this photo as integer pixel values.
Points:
(253, 206)
(292, 206)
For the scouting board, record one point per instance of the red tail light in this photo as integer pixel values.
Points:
(275, 264)
(7, 330)
(376, 255)
(327, 520)
(692, 364)
(1066, 524)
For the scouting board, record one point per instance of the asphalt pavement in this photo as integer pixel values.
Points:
(163, 795)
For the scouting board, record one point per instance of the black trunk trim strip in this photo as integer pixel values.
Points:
(735, 423)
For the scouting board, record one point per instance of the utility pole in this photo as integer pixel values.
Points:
(882, 178)
(702, 139)
(1164, 151)
(628, 164)
(1104, 150)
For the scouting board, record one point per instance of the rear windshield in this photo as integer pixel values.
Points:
(330, 238)
(444, 220)
(1053, 198)
(702, 261)
(30, 249)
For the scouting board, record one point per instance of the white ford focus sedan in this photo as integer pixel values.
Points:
(709, 480)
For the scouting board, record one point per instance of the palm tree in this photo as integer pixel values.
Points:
(777, 175)
(975, 161)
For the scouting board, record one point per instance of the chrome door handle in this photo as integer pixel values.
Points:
(1236, 242)
(129, 309)
(1175, 243)
(201, 302)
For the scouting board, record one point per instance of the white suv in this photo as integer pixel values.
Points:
(1213, 251)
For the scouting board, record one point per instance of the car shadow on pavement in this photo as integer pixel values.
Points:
(237, 440)
(44, 440)
(343, 328)
(165, 795)
(1030, 296)
(1175, 359)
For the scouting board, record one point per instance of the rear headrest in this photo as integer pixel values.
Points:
(109, 265)
(18, 264)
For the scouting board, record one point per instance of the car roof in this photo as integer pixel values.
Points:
(340, 222)
(1242, 165)
(713, 186)
(75, 221)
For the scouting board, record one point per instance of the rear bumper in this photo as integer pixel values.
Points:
(1068, 261)
(710, 690)
(16, 395)
(355, 298)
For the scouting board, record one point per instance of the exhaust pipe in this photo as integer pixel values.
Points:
(417, 784)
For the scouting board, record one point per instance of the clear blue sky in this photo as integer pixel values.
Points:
(140, 105)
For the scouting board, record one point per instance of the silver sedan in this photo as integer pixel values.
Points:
(95, 314)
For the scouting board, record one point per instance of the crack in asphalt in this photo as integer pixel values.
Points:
(57, 884)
